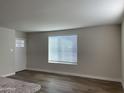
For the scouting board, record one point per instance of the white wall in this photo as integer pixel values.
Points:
(99, 52)
(122, 53)
(7, 57)
(19, 34)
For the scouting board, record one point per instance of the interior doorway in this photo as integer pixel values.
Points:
(20, 54)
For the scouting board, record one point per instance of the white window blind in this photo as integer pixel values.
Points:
(20, 43)
(62, 49)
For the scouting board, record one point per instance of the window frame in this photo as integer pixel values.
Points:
(19, 44)
(63, 62)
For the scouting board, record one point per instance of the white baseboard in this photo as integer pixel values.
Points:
(10, 74)
(75, 74)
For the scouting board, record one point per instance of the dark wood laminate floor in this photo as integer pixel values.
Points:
(54, 83)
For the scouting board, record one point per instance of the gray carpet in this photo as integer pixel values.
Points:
(15, 86)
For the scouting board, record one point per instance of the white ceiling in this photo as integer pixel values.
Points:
(49, 15)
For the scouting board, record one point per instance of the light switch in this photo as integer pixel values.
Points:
(11, 50)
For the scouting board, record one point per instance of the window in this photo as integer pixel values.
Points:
(20, 43)
(62, 49)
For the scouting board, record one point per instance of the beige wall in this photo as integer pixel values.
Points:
(99, 52)
(122, 52)
(7, 57)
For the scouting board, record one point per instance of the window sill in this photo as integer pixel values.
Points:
(66, 63)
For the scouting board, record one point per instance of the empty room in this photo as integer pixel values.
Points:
(61, 46)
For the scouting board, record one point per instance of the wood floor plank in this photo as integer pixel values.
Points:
(56, 83)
